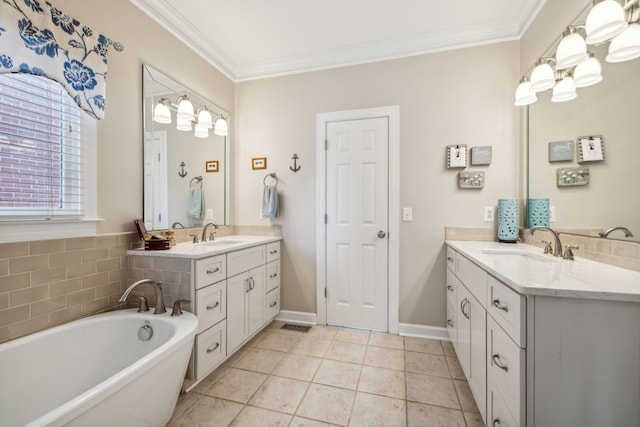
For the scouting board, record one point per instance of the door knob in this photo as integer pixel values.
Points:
(381, 234)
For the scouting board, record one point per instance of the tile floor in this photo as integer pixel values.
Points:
(333, 377)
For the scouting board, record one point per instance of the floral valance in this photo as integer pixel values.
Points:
(39, 39)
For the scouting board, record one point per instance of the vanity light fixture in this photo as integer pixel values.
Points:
(204, 117)
(605, 21)
(626, 45)
(587, 73)
(564, 90)
(221, 126)
(542, 76)
(202, 131)
(185, 108)
(572, 49)
(183, 124)
(524, 94)
(186, 118)
(162, 112)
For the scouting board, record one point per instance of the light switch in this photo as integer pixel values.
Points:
(407, 214)
(209, 213)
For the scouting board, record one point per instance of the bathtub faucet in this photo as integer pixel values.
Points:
(156, 287)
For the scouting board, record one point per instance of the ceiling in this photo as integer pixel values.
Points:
(251, 39)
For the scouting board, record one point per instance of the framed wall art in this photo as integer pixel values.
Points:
(590, 149)
(481, 155)
(561, 151)
(569, 177)
(211, 166)
(456, 156)
(258, 163)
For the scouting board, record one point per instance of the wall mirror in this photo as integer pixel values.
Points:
(185, 177)
(610, 109)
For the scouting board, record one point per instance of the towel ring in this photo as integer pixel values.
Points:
(197, 178)
(272, 175)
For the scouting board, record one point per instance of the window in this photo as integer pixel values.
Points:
(47, 155)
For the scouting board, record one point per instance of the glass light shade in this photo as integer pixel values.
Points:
(185, 109)
(205, 119)
(202, 131)
(587, 73)
(565, 90)
(162, 113)
(571, 51)
(625, 46)
(183, 125)
(605, 21)
(524, 94)
(221, 127)
(542, 77)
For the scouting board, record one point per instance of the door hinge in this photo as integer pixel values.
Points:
(325, 293)
(326, 219)
(326, 144)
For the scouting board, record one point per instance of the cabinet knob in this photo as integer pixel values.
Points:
(211, 307)
(499, 363)
(273, 304)
(214, 348)
(450, 288)
(215, 270)
(496, 422)
(450, 259)
(273, 276)
(450, 322)
(497, 304)
(273, 252)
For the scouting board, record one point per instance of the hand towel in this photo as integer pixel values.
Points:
(269, 202)
(196, 203)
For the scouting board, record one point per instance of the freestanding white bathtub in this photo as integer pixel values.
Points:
(97, 372)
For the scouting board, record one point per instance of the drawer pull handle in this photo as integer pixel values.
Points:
(215, 347)
(496, 422)
(274, 251)
(215, 270)
(450, 288)
(499, 364)
(273, 276)
(450, 259)
(273, 304)
(497, 304)
(450, 322)
(211, 307)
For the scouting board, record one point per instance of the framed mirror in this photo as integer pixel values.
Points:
(185, 172)
(609, 110)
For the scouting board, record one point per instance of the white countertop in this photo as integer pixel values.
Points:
(528, 271)
(218, 246)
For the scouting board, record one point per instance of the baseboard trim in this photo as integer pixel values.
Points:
(423, 331)
(297, 317)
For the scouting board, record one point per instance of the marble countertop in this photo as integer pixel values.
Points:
(218, 246)
(528, 271)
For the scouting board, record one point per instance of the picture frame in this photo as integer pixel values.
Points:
(457, 156)
(561, 151)
(473, 179)
(258, 163)
(571, 177)
(481, 155)
(211, 166)
(590, 148)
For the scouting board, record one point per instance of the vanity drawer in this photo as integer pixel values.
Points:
(273, 275)
(509, 309)
(210, 270)
(211, 305)
(451, 259)
(498, 411)
(273, 303)
(273, 251)
(211, 348)
(473, 277)
(245, 260)
(452, 288)
(452, 330)
(506, 368)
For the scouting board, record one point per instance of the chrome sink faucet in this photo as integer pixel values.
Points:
(160, 308)
(557, 251)
(627, 232)
(204, 232)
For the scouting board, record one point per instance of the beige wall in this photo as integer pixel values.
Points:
(457, 97)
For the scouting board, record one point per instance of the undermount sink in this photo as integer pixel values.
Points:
(225, 242)
(520, 254)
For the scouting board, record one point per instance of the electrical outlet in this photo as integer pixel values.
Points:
(407, 214)
(209, 213)
(552, 214)
(489, 213)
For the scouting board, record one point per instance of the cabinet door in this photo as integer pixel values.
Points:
(255, 299)
(478, 359)
(237, 327)
(273, 275)
(463, 350)
(452, 321)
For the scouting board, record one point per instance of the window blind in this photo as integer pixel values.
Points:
(41, 159)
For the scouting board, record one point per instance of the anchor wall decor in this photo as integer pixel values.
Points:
(295, 166)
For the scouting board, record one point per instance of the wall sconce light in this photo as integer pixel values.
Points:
(587, 73)
(221, 126)
(605, 21)
(524, 94)
(564, 90)
(186, 118)
(572, 49)
(626, 45)
(543, 76)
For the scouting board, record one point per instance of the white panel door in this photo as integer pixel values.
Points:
(357, 223)
(156, 204)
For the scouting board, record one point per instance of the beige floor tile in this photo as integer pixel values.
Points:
(260, 360)
(252, 417)
(185, 401)
(210, 379)
(380, 339)
(328, 404)
(425, 363)
(473, 419)
(305, 422)
(277, 341)
(385, 382)
(235, 357)
(421, 415)
(322, 332)
(384, 357)
(237, 385)
(346, 352)
(280, 394)
(353, 336)
(455, 369)
(431, 390)
(447, 348)
(378, 411)
(311, 347)
(338, 374)
(297, 366)
(423, 345)
(208, 412)
(467, 401)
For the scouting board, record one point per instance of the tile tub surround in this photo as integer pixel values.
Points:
(50, 282)
(333, 377)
